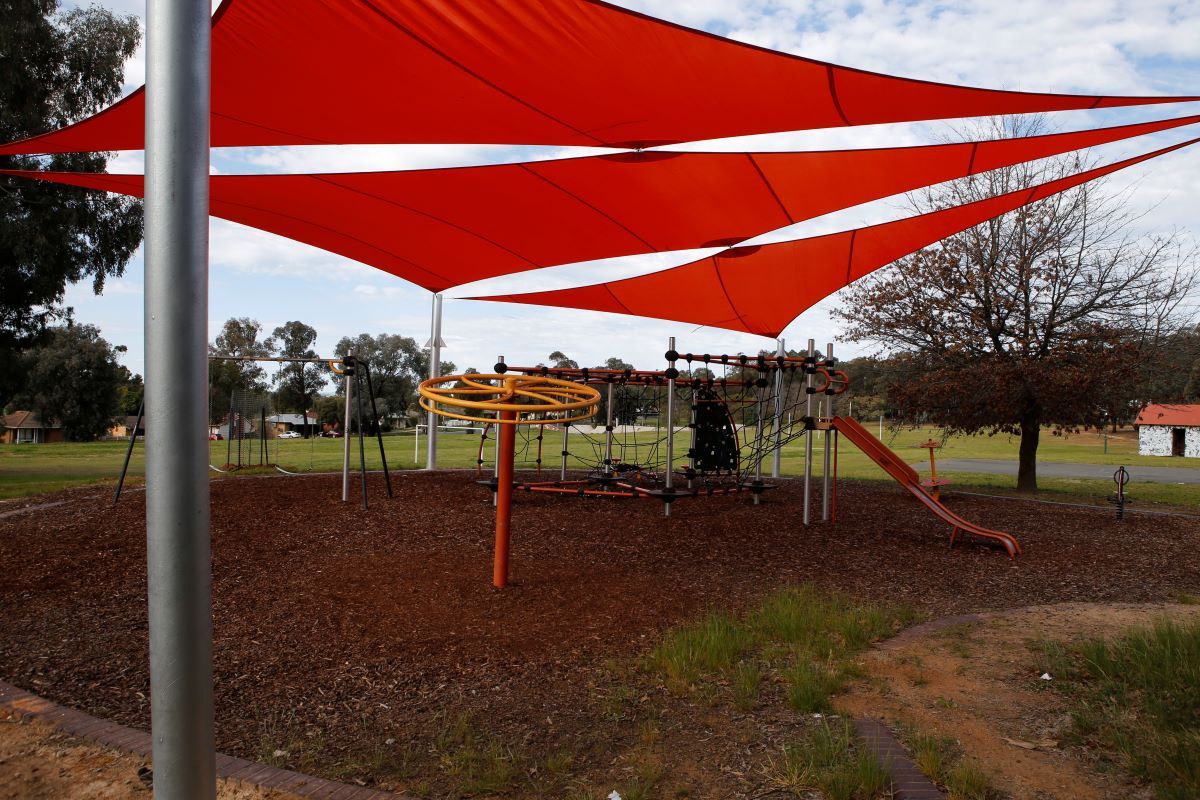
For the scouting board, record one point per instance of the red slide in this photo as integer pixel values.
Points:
(907, 477)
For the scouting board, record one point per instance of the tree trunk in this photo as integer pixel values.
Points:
(1031, 427)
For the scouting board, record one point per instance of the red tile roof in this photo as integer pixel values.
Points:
(1176, 415)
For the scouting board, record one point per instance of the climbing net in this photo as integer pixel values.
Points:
(707, 428)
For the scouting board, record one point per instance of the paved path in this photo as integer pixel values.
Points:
(1052, 469)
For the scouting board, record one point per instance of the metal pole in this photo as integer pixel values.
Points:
(387, 478)
(669, 479)
(565, 449)
(809, 369)
(346, 429)
(608, 429)
(496, 452)
(229, 437)
(129, 452)
(435, 371)
(693, 421)
(777, 425)
(178, 549)
(760, 406)
(506, 437)
(362, 448)
(825, 475)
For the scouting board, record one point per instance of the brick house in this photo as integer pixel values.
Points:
(122, 427)
(24, 427)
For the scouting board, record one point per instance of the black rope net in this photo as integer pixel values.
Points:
(730, 415)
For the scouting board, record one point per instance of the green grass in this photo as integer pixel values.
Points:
(1137, 698)
(802, 634)
(35, 469)
(943, 762)
(830, 760)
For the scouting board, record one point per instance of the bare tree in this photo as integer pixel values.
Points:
(1038, 317)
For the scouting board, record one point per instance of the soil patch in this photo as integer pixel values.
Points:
(38, 762)
(371, 645)
(980, 685)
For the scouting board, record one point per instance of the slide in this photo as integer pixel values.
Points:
(907, 477)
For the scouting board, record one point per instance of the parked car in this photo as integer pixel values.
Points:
(215, 437)
(289, 435)
(331, 434)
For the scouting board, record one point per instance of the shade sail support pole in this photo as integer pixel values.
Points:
(669, 478)
(809, 370)
(348, 393)
(777, 423)
(435, 371)
(178, 547)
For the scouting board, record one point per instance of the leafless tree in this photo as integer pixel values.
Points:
(1038, 317)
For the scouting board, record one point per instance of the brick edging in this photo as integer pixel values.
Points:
(908, 782)
(118, 737)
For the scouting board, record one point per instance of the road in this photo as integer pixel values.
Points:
(1051, 469)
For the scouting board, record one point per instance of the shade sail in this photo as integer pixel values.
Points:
(567, 72)
(762, 289)
(444, 227)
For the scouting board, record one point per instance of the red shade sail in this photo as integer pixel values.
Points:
(762, 289)
(569, 72)
(444, 227)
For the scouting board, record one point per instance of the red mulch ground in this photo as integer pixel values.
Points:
(338, 629)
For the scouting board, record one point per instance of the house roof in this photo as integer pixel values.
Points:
(292, 419)
(1173, 414)
(25, 419)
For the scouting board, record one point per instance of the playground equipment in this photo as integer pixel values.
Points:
(933, 483)
(733, 420)
(246, 409)
(507, 401)
(907, 477)
(724, 403)
(1118, 497)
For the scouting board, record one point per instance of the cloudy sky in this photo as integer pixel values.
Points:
(1083, 46)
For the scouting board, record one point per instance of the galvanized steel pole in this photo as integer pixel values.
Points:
(435, 371)
(178, 550)
(809, 367)
(669, 478)
(608, 429)
(777, 425)
(346, 435)
(825, 475)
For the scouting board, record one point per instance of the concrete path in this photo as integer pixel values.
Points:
(1052, 469)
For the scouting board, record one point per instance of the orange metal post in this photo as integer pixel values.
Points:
(504, 489)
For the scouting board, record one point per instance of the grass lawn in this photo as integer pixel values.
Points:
(34, 469)
(1136, 698)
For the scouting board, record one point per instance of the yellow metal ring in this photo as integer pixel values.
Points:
(527, 395)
